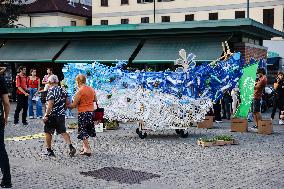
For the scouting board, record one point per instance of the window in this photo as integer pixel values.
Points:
(213, 16)
(250, 40)
(268, 17)
(89, 21)
(104, 3)
(166, 18)
(104, 22)
(124, 2)
(189, 17)
(144, 1)
(240, 14)
(125, 21)
(145, 20)
(73, 23)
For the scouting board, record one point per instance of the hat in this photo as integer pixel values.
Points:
(53, 79)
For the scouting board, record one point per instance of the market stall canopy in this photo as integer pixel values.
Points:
(271, 54)
(165, 50)
(1, 43)
(31, 50)
(101, 50)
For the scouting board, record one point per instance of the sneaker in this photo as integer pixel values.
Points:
(25, 123)
(49, 153)
(16, 124)
(31, 117)
(6, 184)
(254, 128)
(281, 122)
(219, 121)
(39, 117)
(72, 151)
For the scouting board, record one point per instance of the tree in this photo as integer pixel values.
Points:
(10, 10)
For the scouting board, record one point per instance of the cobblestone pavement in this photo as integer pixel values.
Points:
(257, 162)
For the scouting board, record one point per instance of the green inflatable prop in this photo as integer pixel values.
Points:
(246, 85)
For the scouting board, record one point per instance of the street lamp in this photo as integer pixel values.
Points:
(247, 8)
(154, 11)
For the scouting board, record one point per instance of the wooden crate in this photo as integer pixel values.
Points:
(265, 127)
(239, 125)
(217, 143)
(207, 123)
(205, 144)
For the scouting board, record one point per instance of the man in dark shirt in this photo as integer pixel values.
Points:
(278, 101)
(22, 96)
(54, 118)
(4, 112)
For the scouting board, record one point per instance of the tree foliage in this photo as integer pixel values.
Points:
(10, 10)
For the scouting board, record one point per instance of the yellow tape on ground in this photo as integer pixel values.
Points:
(30, 137)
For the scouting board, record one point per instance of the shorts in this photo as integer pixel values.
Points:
(43, 97)
(86, 126)
(256, 105)
(55, 123)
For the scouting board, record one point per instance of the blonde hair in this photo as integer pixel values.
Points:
(81, 79)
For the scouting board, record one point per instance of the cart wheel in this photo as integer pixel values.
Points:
(178, 131)
(141, 135)
(137, 131)
(182, 134)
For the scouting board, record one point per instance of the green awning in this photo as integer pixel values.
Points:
(1, 43)
(166, 50)
(101, 50)
(30, 50)
(271, 54)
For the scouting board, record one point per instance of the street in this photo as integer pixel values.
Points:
(162, 160)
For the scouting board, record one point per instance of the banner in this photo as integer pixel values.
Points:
(246, 85)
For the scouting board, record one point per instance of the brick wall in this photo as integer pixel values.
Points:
(258, 52)
(248, 51)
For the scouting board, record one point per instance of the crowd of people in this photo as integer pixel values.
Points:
(227, 106)
(57, 105)
(56, 102)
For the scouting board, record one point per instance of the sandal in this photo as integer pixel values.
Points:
(85, 154)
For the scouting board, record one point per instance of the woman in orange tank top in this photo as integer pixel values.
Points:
(84, 101)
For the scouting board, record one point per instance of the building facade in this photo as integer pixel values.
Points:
(109, 12)
(56, 13)
(142, 46)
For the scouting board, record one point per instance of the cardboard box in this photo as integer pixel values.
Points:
(239, 125)
(207, 123)
(265, 127)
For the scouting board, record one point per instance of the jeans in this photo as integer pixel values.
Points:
(278, 103)
(38, 104)
(226, 106)
(217, 111)
(22, 103)
(4, 160)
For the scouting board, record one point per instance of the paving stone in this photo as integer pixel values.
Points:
(257, 162)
